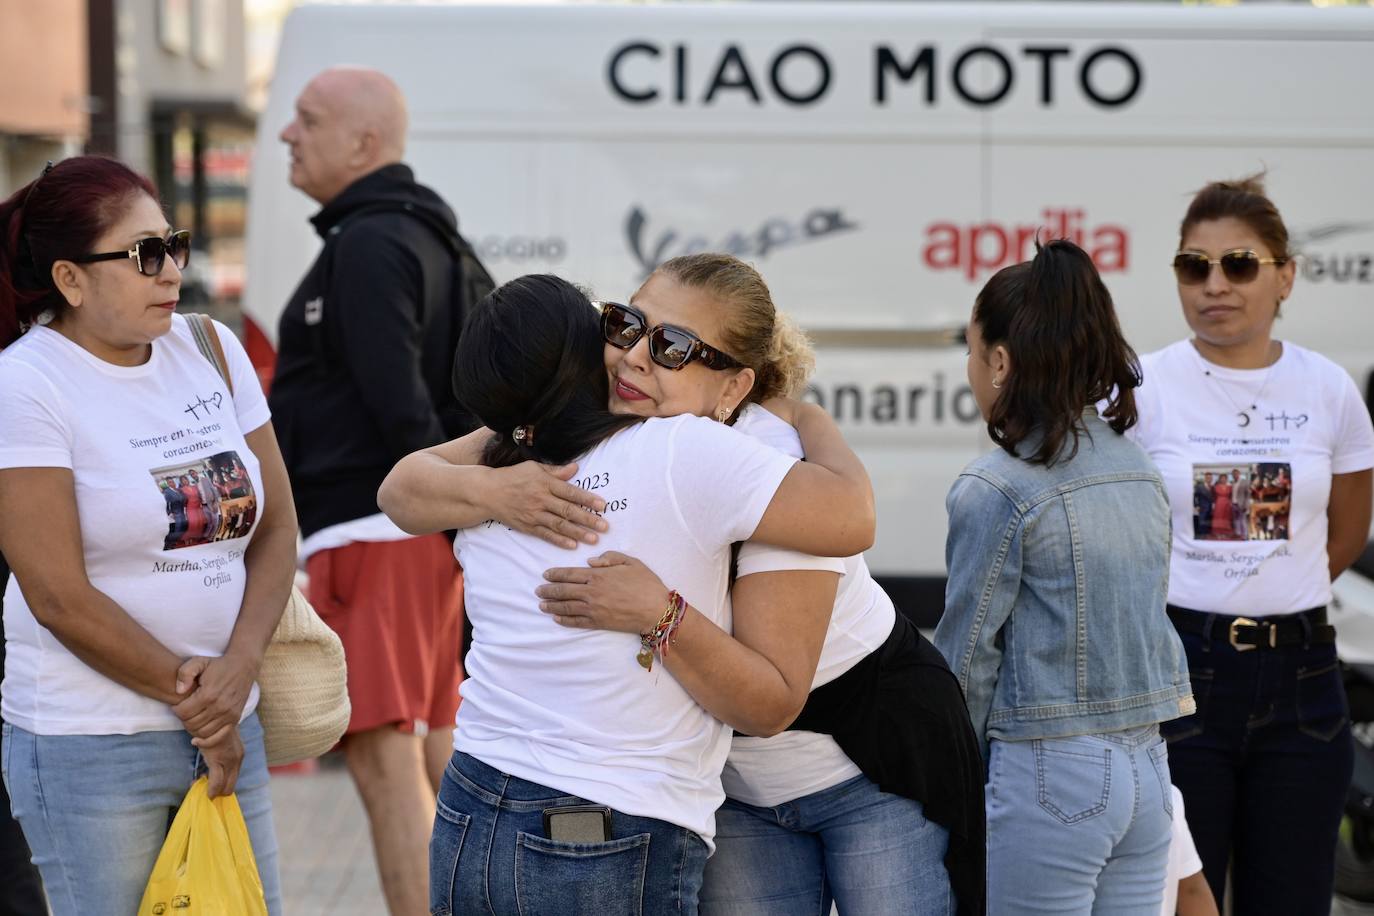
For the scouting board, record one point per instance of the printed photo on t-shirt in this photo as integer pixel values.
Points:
(207, 500)
(1242, 502)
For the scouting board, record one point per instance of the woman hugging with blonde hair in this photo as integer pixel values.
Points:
(854, 777)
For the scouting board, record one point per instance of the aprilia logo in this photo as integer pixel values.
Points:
(978, 249)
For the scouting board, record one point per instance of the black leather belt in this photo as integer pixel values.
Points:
(1305, 628)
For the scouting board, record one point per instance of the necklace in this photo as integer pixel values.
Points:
(1243, 417)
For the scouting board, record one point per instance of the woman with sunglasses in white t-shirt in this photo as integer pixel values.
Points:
(899, 780)
(1265, 761)
(585, 778)
(133, 640)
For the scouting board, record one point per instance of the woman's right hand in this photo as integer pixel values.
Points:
(536, 499)
(223, 754)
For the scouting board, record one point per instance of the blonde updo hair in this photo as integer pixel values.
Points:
(754, 331)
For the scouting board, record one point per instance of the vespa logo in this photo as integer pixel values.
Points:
(774, 233)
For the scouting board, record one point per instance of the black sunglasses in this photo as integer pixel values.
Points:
(150, 254)
(670, 347)
(1242, 265)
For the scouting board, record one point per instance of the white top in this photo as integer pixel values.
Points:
(1253, 543)
(1184, 861)
(770, 771)
(368, 529)
(170, 553)
(572, 709)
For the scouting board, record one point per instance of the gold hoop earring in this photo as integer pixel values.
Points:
(722, 415)
(996, 384)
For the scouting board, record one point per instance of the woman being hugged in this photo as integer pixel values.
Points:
(590, 720)
(1265, 761)
(872, 797)
(1058, 559)
(128, 668)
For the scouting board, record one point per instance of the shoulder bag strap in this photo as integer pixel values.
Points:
(207, 341)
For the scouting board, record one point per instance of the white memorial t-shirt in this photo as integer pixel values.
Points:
(167, 493)
(1184, 861)
(770, 771)
(573, 709)
(1247, 458)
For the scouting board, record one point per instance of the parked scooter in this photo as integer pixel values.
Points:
(1352, 611)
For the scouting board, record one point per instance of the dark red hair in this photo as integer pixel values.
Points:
(58, 215)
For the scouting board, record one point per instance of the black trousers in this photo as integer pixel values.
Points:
(21, 893)
(1263, 767)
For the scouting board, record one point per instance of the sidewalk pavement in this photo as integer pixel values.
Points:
(327, 868)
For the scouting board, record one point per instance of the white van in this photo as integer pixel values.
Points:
(877, 162)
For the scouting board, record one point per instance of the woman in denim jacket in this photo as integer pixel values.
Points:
(1058, 560)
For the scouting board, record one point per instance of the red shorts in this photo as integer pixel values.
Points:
(398, 609)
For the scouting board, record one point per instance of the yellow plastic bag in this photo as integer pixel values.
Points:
(206, 867)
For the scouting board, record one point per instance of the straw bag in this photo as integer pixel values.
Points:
(303, 683)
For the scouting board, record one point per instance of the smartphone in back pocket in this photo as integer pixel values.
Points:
(578, 823)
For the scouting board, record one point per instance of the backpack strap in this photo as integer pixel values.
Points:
(208, 342)
(465, 268)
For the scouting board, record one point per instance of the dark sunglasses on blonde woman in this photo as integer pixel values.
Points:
(1192, 268)
(670, 347)
(150, 254)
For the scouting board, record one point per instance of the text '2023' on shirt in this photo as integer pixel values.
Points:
(572, 709)
(167, 493)
(1247, 457)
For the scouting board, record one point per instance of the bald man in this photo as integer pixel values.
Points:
(364, 361)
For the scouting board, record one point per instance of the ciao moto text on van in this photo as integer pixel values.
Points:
(800, 74)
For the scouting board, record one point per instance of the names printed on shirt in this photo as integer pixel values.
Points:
(1241, 566)
(214, 571)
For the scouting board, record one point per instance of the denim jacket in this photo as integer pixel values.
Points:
(1054, 616)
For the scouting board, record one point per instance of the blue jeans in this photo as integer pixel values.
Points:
(1263, 767)
(489, 855)
(96, 808)
(869, 852)
(1079, 825)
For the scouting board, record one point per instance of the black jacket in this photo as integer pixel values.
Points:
(365, 349)
(900, 716)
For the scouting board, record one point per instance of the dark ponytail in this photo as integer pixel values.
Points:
(531, 355)
(60, 214)
(1056, 318)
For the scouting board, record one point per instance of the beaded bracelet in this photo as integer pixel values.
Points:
(660, 637)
